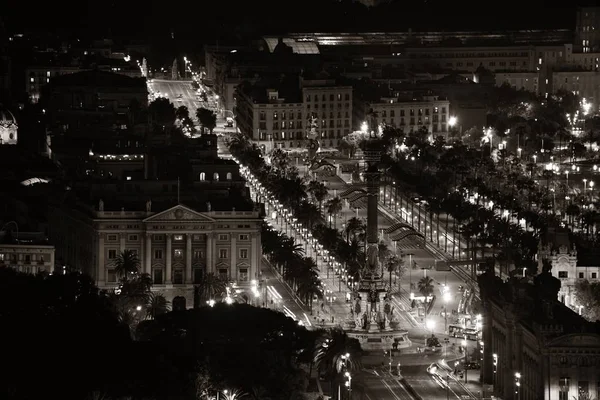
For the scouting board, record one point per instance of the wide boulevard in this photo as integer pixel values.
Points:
(374, 381)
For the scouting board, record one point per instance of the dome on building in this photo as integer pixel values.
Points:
(8, 126)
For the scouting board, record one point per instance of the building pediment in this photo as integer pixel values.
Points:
(576, 340)
(222, 264)
(243, 264)
(179, 213)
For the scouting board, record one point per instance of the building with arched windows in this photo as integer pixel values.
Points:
(8, 126)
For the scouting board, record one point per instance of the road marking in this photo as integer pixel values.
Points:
(390, 389)
(307, 319)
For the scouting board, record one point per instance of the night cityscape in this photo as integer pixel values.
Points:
(333, 199)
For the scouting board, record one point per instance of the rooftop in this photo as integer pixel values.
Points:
(297, 46)
(140, 206)
(535, 304)
(288, 89)
(523, 37)
(102, 79)
(23, 238)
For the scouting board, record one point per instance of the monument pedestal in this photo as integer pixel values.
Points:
(381, 340)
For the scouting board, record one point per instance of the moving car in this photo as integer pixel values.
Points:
(229, 122)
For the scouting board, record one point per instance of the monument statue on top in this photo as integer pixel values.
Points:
(314, 163)
(312, 137)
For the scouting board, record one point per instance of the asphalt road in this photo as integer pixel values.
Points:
(377, 385)
(279, 296)
(429, 389)
(172, 89)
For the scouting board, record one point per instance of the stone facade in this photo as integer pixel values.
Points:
(29, 258)
(176, 246)
(527, 331)
(564, 259)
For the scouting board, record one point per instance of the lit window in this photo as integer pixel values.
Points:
(48, 74)
(229, 176)
(128, 178)
(216, 176)
(31, 80)
(178, 238)
(202, 176)
(243, 254)
(222, 253)
(178, 253)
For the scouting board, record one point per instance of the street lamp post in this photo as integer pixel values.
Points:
(464, 343)
(447, 297)
(410, 266)
(518, 385)
(349, 383)
(430, 325)
(481, 350)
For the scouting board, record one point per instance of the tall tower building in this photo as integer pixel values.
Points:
(587, 30)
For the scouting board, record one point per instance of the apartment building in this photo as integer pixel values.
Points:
(276, 119)
(587, 30)
(428, 112)
(332, 106)
(27, 252)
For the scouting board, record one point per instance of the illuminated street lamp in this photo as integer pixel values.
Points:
(430, 325)
(464, 343)
(518, 385)
(348, 383)
(447, 297)
(452, 121)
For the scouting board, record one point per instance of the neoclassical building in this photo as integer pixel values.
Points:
(176, 245)
(567, 265)
(8, 126)
(534, 346)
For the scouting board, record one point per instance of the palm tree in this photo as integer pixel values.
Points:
(334, 207)
(234, 394)
(127, 264)
(318, 191)
(211, 286)
(307, 284)
(259, 393)
(354, 228)
(425, 286)
(207, 119)
(383, 252)
(336, 351)
(393, 263)
(156, 305)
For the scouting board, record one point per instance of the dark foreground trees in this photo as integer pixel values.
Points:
(66, 339)
(61, 337)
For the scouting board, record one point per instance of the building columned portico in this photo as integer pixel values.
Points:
(176, 247)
